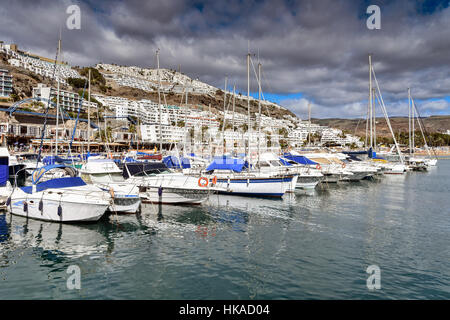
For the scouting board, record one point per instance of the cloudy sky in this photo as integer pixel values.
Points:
(310, 51)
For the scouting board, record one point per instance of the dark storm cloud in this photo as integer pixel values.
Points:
(319, 48)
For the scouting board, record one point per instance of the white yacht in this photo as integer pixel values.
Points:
(159, 184)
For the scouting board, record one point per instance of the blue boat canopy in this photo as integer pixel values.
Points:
(39, 172)
(55, 159)
(177, 163)
(227, 163)
(298, 159)
(4, 170)
(284, 162)
(56, 184)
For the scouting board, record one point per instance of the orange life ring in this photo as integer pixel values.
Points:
(214, 180)
(202, 182)
(318, 167)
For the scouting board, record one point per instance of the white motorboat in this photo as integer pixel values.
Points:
(105, 174)
(159, 184)
(67, 199)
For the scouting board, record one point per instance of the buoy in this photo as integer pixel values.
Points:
(202, 182)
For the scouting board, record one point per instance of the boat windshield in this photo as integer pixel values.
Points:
(153, 172)
(275, 163)
(107, 177)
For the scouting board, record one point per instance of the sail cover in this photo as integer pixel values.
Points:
(227, 163)
(177, 162)
(299, 159)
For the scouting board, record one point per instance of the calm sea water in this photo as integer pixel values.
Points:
(314, 245)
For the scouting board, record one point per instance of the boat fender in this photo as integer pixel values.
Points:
(25, 206)
(59, 210)
(214, 180)
(160, 191)
(8, 201)
(343, 165)
(202, 182)
(41, 206)
(111, 192)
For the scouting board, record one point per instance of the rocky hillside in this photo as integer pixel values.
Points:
(433, 124)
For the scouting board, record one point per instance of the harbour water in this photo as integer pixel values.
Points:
(314, 245)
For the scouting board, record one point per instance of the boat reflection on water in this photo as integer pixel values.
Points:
(71, 240)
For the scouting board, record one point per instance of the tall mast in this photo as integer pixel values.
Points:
(413, 129)
(89, 113)
(409, 119)
(248, 111)
(232, 119)
(159, 103)
(259, 110)
(224, 115)
(374, 121)
(370, 100)
(57, 94)
(309, 124)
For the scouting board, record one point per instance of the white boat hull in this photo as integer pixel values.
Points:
(262, 187)
(75, 207)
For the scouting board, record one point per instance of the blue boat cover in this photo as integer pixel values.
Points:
(299, 159)
(174, 162)
(284, 162)
(39, 172)
(56, 184)
(227, 163)
(4, 170)
(55, 159)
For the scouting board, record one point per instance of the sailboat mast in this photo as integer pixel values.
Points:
(224, 115)
(413, 115)
(409, 119)
(374, 121)
(57, 94)
(159, 103)
(259, 111)
(309, 124)
(248, 111)
(89, 113)
(232, 119)
(370, 101)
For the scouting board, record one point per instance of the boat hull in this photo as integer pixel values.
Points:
(74, 208)
(255, 187)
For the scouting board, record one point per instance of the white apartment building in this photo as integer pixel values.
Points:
(170, 134)
(68, 100)
(6, 83)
